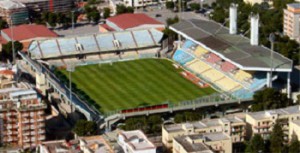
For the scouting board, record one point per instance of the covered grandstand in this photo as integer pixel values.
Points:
(104, 43)
(227, 61)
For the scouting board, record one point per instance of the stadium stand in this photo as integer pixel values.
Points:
(224, 75)
(98, 43)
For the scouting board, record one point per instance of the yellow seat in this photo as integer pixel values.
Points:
(200, 51)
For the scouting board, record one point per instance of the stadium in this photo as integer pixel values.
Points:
(127, 72)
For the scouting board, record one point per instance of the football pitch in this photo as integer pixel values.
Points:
(129, 84)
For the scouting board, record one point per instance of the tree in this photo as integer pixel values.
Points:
(255, 145)
(270, 98)
(85, 128)
(155, 123)
(7, 50)
(294, 145)
(170, 5)
(123, 9)
(52, 19)
(195, 6)
(276, 139)
(106, 12)
(95, 16)
(3, 24)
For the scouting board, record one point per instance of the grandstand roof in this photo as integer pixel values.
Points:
(235, 48)
(9, 4)
(29, 31)
(104, 42)
(129, 20)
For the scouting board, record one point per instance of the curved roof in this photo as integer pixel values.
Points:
(103, 42)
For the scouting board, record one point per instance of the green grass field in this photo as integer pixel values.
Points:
(129, 84)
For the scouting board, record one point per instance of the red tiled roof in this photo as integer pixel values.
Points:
(2, 40)
(107, 27)
(6, 72)
(23, 32)
(129, 20)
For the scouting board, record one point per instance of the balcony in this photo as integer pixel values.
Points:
(26, 140)
(25, 121)
(41, 113)
(40, 119)
(26, 133)
(41, 131)
(25, 114)
(26, 128)
(42, 138)
(262, 126)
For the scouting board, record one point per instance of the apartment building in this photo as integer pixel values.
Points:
(262, 122)
(291, 20)
(232, 126)
(22, 119)
(13, 12)
(203, 143)
(48, 5)
(89, 144)
(135, 142)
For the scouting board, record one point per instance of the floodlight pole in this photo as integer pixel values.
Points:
(12, 42)
(70, 68)
(72, 22)
(272, 40)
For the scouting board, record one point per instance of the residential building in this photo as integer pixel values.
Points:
(135, 142)
(129, 21)
(203, 143)
(252, 2)
(233, 126)
(22, 119)
(89, 144)
(291, 21)
(26, 33)
(13, 12)
(262, 122)
(17, 11)
(294, 129)
(48, 5)
(135, 3)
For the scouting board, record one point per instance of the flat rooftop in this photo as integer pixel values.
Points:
(234, 48)
(267, 114)
(203, 124)
(294, 5)
(196, 142)
(137, 140)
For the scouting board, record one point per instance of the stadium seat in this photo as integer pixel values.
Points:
(213, 75)
(200, 51)
(188, 44)
(242, 76)
(213, 58)
(199, 67)
(227, 67)
(182, 57)
(228, 84)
